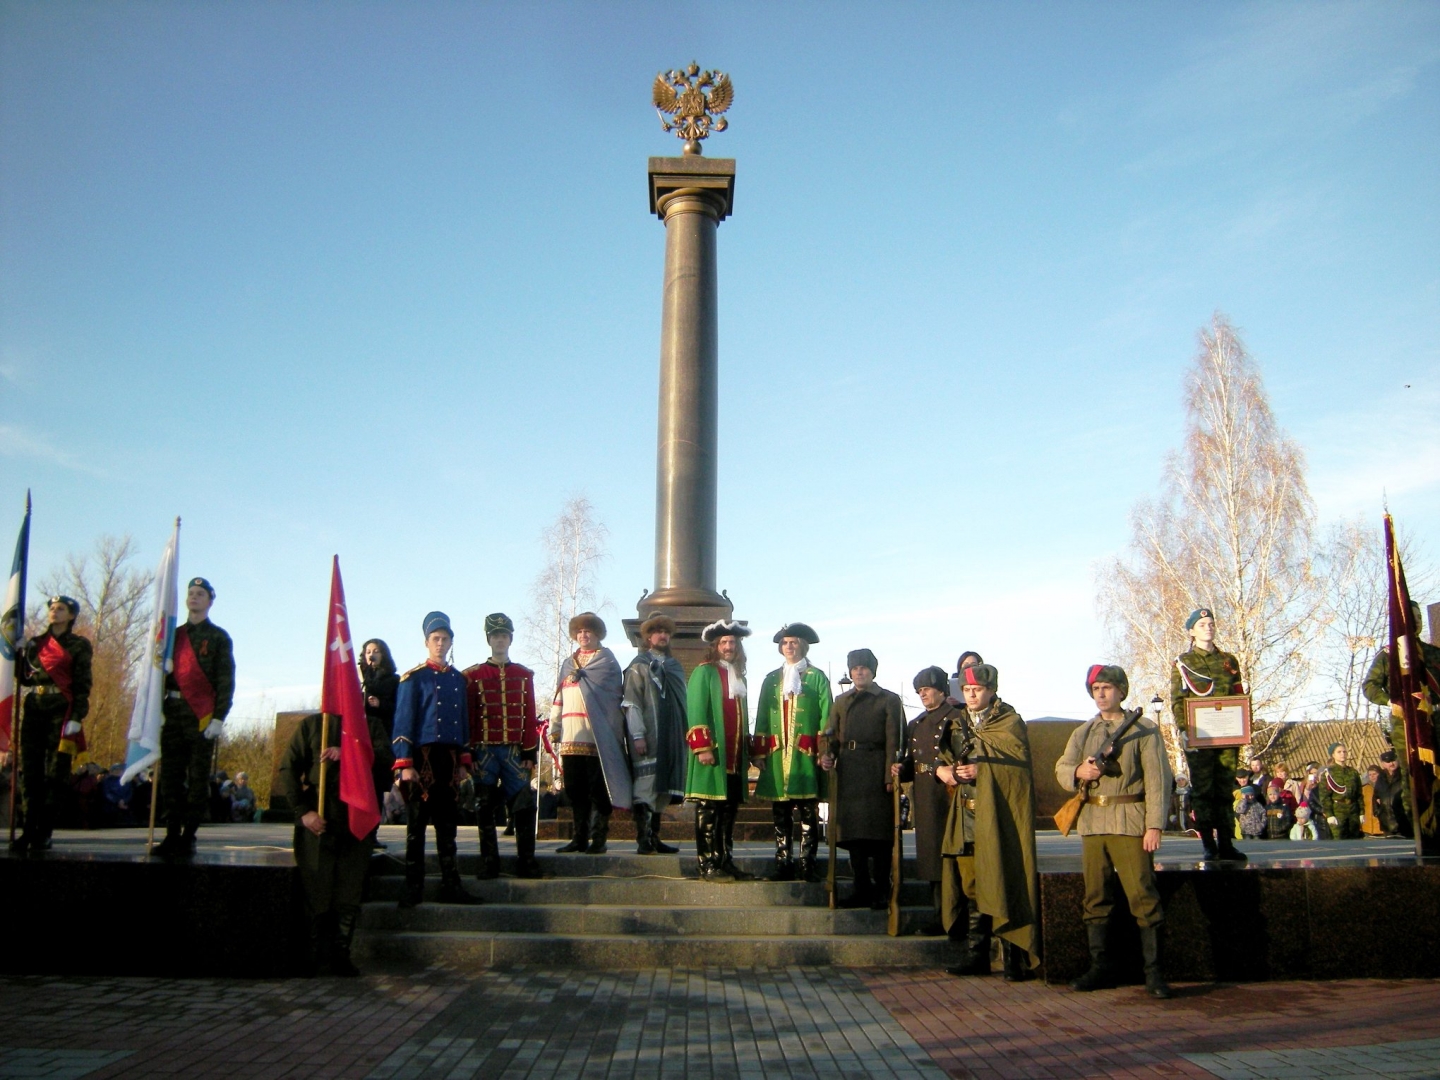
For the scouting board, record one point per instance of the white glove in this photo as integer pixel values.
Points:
(213, 729)
(72, 727)
(1333, 820)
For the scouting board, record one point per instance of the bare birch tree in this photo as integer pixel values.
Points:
(574, 546)
(1231, 530)
(115, 615)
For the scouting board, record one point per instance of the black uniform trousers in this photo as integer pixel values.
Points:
(44, 771)
(433, 799)
(185, 755)
(585, 784)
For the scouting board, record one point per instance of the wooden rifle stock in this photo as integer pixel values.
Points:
(897, 854)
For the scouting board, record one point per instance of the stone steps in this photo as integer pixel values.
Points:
(623, 828)
(638, 892)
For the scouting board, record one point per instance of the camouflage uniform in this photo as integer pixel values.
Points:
(1212, 770)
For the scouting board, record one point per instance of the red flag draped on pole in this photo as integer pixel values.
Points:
(340, 696)
(1414, 696)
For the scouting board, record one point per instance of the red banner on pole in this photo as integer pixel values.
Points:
(341, 696)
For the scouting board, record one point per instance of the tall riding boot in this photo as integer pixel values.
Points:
(880, 893)
(489, 842)
(725, 837)
(707, 843)
(661, 848)
(322, 937)
(344, 931)
(1152, 947)
(644, 842)
(414, 864)
(1207, 840)
(452, 889)
(977, 941)
(781, 814)
(809, 868)
(525, 843)
(860, 871)
(599, 830)
(580, 835)
(187, 839)
(1099, 977)
(1016, 962)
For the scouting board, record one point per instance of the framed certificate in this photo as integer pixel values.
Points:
(1217, 721)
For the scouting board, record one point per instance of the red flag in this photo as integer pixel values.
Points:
(341, 697)
(1414, 696)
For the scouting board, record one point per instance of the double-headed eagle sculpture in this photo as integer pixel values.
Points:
(695, 99)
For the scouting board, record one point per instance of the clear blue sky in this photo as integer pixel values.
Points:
(380, 279)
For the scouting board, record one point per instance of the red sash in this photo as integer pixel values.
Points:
(58, 665)
(194, 686)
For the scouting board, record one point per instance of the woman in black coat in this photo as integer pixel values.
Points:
(380, 683)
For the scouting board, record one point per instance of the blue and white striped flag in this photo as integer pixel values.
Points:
(145, 720)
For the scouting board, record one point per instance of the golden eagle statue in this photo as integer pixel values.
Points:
(695, 99)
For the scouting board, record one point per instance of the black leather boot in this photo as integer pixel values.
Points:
(579, 837)
(344, 934)
(977, 941)
(644, 842)
(1228, 851)
(781, 815)
(707, 843)
(809, 868)
(725, 837)
(171, 846)
(1207, 841)
(1099, 977)
(452, 889)
(489, 842)
(661, 848)
(1016, 962)
(528, 867)
(187, 840)
(599, 830)
(880, 891)
(1152, 947)
(322, 937)
(860, 895)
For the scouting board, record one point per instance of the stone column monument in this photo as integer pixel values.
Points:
(691, 194)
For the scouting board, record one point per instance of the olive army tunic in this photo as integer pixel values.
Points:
(1342, 797)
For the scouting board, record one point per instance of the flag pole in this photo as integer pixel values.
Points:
(154, 798)
(324, 745)
(14, 758)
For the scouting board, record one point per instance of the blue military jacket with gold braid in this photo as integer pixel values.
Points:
(431, 707)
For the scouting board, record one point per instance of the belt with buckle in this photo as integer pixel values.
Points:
(43, 690)
(1114, 800)
(921, 767)
(853, 745)
(968, 804)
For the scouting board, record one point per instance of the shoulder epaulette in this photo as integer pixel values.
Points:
(468, 670)
(412, 671)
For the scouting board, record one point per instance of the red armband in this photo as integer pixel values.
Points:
(699, 738)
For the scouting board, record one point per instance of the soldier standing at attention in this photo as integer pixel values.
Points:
(990, 832)
(929, 802)
(1342, 796)
(718, 737)
(53, 670)
(1205, 672)
(431, 737)
(865, 733)
(794, 703)
(198, 695)
(1120, 824)
(501, 696)
(654, 704)
(1377, 690)
(331, 860)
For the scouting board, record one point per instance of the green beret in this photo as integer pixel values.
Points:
(1197, 615)
(1114, 674)
(980, 675)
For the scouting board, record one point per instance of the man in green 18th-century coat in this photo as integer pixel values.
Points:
(790, 713)
(1206, 672)
(719, 739)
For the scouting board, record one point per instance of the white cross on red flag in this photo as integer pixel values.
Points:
(340, 696)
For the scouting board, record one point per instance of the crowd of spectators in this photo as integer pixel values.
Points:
(1271, 805)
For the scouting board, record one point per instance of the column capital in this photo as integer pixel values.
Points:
(711, 179)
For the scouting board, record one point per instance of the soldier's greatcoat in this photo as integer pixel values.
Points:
(865, 732)
(929, 802)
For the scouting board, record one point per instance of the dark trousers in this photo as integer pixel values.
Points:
(1212, 787)
(332, 868)
(431, 800)
(44, 771)
(585, 784)
(184, 768)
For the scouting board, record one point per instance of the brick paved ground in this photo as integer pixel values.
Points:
(808, 1023)
(986, 1029)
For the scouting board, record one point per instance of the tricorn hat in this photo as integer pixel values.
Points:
(797, 630)
(724, 628)
(499, 623)
(587, 620)
(655, 624)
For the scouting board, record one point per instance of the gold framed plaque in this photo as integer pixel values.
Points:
(1217, 721)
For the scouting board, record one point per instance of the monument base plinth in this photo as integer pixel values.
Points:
(692, 610)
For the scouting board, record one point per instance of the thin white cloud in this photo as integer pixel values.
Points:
(15, 442)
